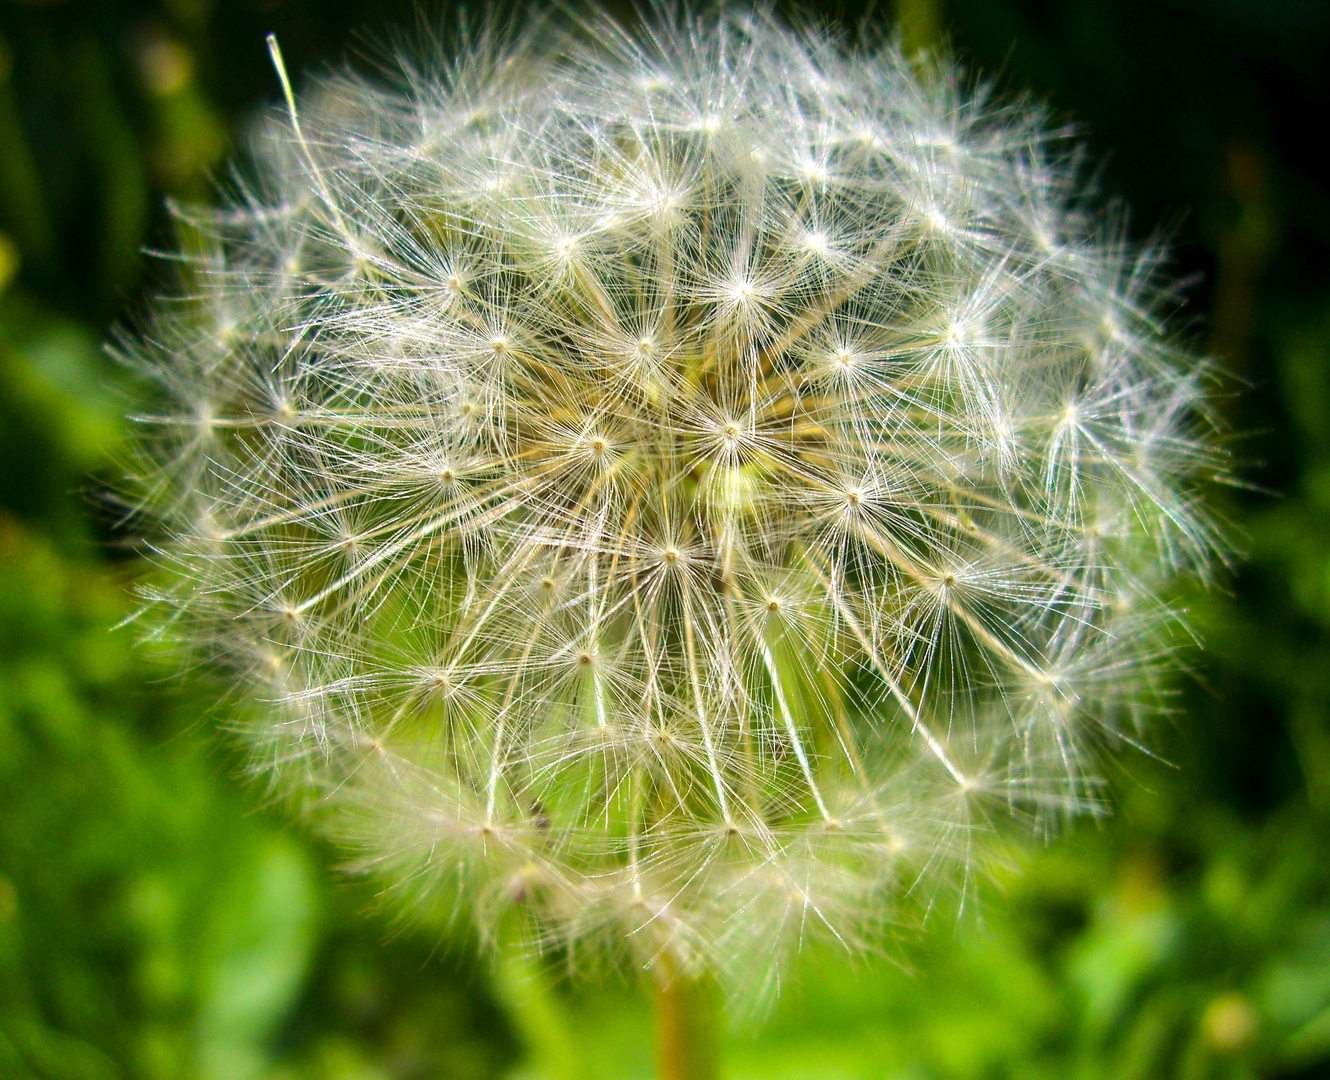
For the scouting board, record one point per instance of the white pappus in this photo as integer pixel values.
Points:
(681, 490)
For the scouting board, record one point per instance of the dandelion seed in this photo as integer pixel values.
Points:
(689, 490)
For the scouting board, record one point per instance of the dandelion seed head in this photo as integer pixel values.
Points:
(692, 492)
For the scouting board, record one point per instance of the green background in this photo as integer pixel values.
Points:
(155, 922)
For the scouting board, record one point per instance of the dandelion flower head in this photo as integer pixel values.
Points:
(682, 490)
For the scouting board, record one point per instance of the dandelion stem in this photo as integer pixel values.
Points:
(685, 1026)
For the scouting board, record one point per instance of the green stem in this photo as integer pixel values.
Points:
(686, 1012)
(920, 24)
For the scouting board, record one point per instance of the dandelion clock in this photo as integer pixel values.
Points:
(670, 495)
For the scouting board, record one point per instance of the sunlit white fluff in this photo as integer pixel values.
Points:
(683, 490)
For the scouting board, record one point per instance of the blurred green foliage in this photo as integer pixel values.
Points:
(154, 924)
